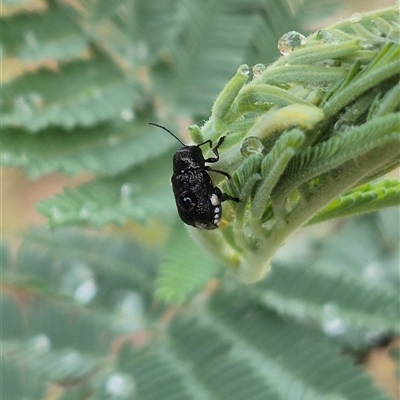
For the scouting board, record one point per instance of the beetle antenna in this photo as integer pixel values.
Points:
(166, 129)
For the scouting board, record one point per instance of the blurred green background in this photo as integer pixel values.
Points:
(81, 309)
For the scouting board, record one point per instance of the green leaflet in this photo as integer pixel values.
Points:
(82, 94)
(184, 268)
(104, 150)
(349, 128)
(258, 357)
(367, 198)
(50, 259)
(221, 345)
(311, 294)
(273, 167)
(80, 312)
(141, 193)
(50, 36)
(355, 142)
(206, 43)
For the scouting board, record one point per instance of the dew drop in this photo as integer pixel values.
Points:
(290, 41)
(373, 272)
(85, 291)
(326, 36)
(130, 305)
(251, 145)
(334, 327)
(78, 282)
(84, 213)
(127, 115)
(129, 311)
(127, 190)
(41, 343)
(332, 324)
(356, 17)
(244, 69)
(324, 86)
(341, 126)
(366, 44)
(258, 69)
(329, 62)
(56, 214)
(120, 386)
(71, 358)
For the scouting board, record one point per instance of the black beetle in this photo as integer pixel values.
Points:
(197, 199)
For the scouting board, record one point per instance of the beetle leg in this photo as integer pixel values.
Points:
(207, 141)
(225, 196)
(217, 171)
(215, 150)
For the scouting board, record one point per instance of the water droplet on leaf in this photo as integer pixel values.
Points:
(127, 115)
(41, 343)
(332, 323)
(326, 36)
(342, 125)
(289, 41)
(85, 291)
(356, 17)
(244, 69)
(366, 44)
(78, 282)
(120, 386)
(251, 145)
(56, 214)
(129, 311)
(258, 69)
(127, 190)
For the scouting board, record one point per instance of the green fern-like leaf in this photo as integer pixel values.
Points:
(50, 37)
(328, 155)
(242, 362)
(329, 300)
(51, 259)
(184, 269)
(346, 139)
(221, 345)
(140, 193)
(223, 34)
(81, 94)
(104, 150)
(80, 315)
(367, 198)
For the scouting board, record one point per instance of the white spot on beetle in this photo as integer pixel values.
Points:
(215, 200)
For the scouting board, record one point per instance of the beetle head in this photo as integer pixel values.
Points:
(188, 157)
